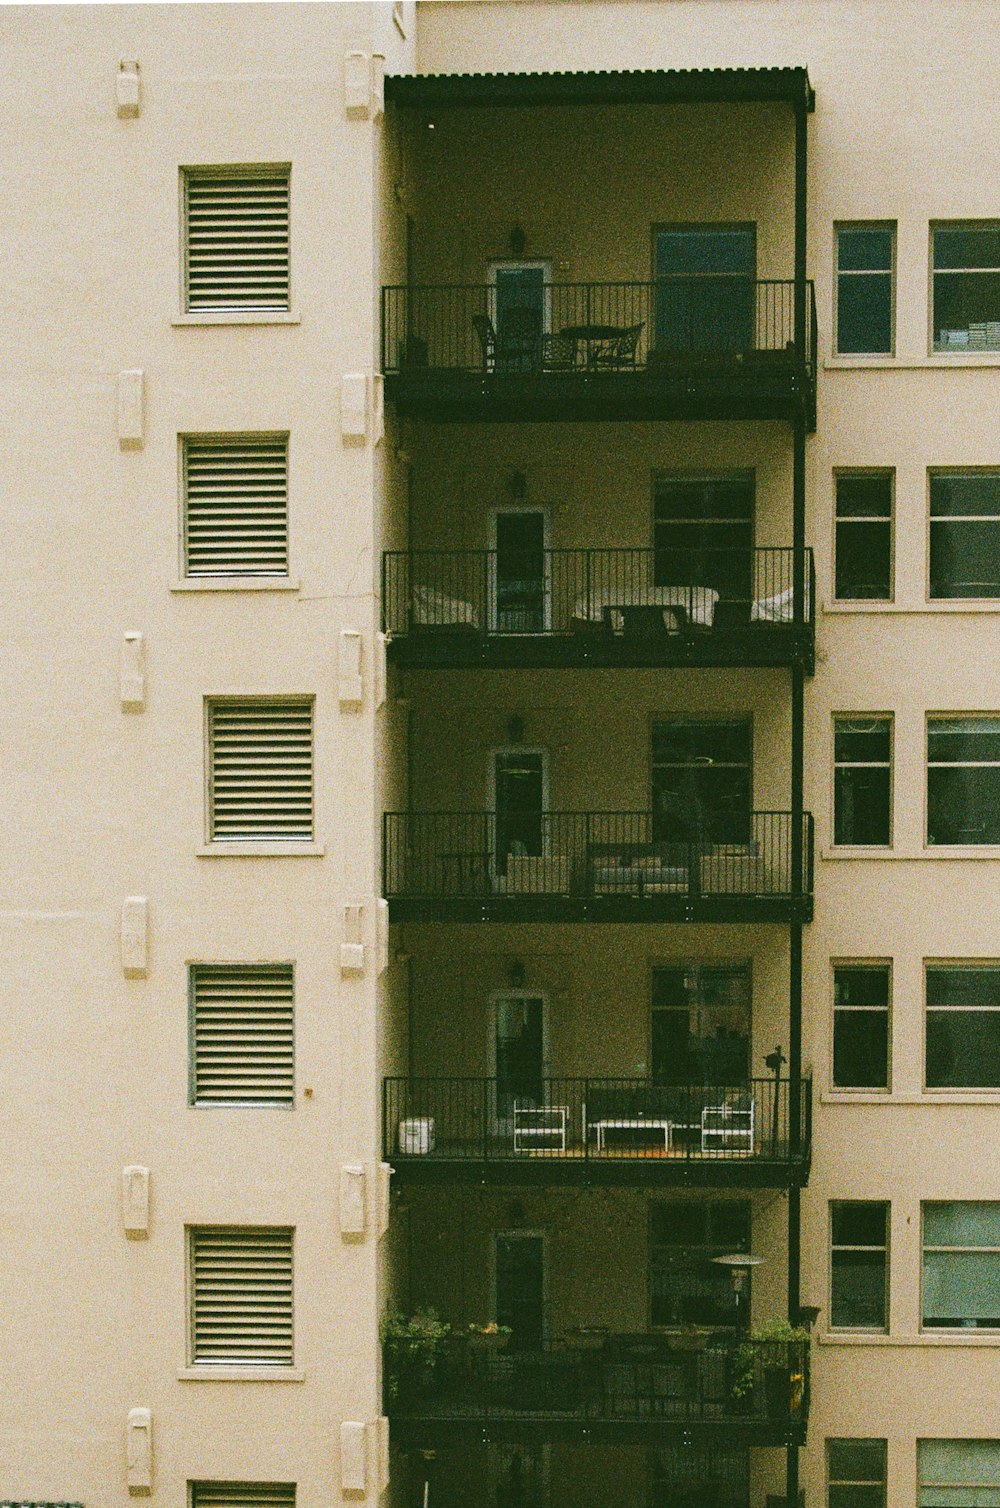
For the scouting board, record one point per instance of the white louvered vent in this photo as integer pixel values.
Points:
(242, 1044)
(242, 1495)
(236, 505)
(241, 1295)
(261, 778)
(236, 238)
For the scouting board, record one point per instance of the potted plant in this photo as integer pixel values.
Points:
(491, 1337)
(412, 1347)
(783, 1378)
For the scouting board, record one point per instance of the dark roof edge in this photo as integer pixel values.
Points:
(435, 91)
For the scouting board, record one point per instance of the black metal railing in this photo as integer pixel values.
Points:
(597, 1377)
(586, 329)
(574, 1120)
(629, 592)
(587, 855)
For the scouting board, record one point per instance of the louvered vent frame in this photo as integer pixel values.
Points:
(260, 755)
(236, 239)
(242, 1495)
(242, 1034)
(241, 1295)
(235, 504)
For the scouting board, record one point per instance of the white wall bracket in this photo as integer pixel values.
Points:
(135, 936)
(130, 409)
(133, 679)
(350, 687)
(139, 1452)
(127, 89)
(135, 1201)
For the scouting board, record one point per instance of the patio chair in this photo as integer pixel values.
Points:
(559, 353)
(487, 337)
(622, 352)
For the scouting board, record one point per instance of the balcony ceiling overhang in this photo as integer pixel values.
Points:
(662, 86)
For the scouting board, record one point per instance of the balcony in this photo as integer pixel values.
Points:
(626, 1132)
(597, 1386)
(616, 607)
(682, 347)
(593, 867)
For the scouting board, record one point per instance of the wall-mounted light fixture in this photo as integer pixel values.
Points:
(517, 240)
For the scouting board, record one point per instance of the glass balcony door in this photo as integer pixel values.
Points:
(518, 1052)
(705, 287)
(519, 799)
(702, 782)
(520, 310)
(519, 1287)
(701, 1025)
(521, 590)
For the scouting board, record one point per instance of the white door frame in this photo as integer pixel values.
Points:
(519, 1232)
(520, 264)
(545, 510)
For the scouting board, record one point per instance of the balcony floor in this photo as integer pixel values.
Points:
(708, 909)
(451, 649)
(653, 1167)
(690, 392)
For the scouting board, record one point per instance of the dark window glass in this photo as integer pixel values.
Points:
(965, 534)
(861, 780)
(687, 1287)
(963, 780)
(705, 298)
(703, 534)
(856, 1473)
(701, 1025)
(963, 1027)
(958, 1473)
(859, 1265)
(864, 289)
(702, 782)
(864, 537)
(696, 1475)
(966, 287)
(961, 1287)
(861, 1026)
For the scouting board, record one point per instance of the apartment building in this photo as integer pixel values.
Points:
(500, 720)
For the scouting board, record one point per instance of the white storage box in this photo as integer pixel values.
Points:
(416, 1136)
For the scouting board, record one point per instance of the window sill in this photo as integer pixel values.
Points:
(241, 1374)
(926, 609)
(859, 852)
(235, 584)
(911, 363)
(929, 1097)
(835, 1338)
(262, 850)
(239, 317)
(921, 855)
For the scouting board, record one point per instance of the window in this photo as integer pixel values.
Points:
(703, 533)
(966, 274)
(241, 1034)
(855, 1473)
(862, 781)
(963, 1026)
(700, 1476)
(702, 774)
(861, 1026)
(958, 1473)
(705, 287)
(687, 1288)
(965, 534)
(241, 1295)
(859, 1264)
(962, 1266)
(963, 780)
(865, 315)
(701, 1024)
(242, 1495)
(260, 771)
(863, 570)
(236, 239)
(235, 497)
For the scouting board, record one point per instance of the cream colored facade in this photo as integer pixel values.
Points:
(102, 804)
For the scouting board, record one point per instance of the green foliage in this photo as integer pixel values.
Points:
(746, 1355)
(411, 1344)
